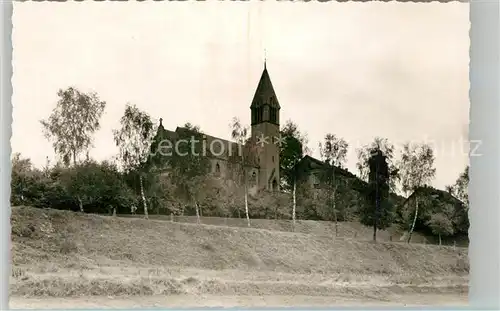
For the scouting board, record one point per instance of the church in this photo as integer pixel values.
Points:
(261, 152)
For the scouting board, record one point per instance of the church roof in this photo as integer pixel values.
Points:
(264, 94)
(216, 147)
(308, 163)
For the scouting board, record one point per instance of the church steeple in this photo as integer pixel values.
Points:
(265, 127)
(265, 106)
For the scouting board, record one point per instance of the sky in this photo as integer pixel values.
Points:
(357, 70)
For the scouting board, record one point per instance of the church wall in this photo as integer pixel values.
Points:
(269, 157)
(223, 169)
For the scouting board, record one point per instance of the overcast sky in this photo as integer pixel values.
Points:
(358, 70)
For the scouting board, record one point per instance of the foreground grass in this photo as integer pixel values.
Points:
(62, 254)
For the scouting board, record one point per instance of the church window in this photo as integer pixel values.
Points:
(272, 115)
(253, 179)
(217, 169)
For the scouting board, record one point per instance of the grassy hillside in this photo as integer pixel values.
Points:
(353, 230)
(61, 253)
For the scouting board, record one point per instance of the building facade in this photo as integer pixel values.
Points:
(259, 158)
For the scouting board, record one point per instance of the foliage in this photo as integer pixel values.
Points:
(99, 185)
(416, 166)
(134, 138)
(334, 150)
(26, 182)
(460, 188)
(378, 212)
(387, 149)
(270, 205)
(71, 124)
(188, 165)
(293, 148)
(432, 202)
(441, 225)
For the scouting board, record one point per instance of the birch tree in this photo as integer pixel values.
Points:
(333, 152)
(133, 140)
(72, 123)
(239, 133)
(292, 150)
(416, 170)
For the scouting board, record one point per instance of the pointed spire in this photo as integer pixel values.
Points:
(265, 58)
(264, 94)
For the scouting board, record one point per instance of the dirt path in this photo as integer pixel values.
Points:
(232, 301)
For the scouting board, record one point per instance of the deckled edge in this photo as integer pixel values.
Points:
(6, 133)
(484, 136)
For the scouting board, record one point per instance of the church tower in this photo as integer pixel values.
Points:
(265, 112)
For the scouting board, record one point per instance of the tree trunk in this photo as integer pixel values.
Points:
(374, 232)
(414, 220)
(143, 198)
(197, 212)
(335, 211)
(114, 211)
(80, 204)
(294, 200)
(439, 239)
(246, 205)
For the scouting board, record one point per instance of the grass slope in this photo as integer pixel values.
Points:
(61, 253)
(322, 228)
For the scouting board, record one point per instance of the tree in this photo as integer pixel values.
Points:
(416, 170)
(378, 210)
(387, 149)
(461, 186)
(441, 225)
(134, 140)
(190, 166)
(334, 150)
(99, 187)
(240, 134)
(270, 205)
(72, 123)
(333, 153)
(26, 182)
(292, 150)
(460, 191)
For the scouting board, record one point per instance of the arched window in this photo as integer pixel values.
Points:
(217, 169)
(272, 115)
(253, 179)
(259, 114)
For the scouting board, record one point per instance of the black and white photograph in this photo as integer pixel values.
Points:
(240, 154)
